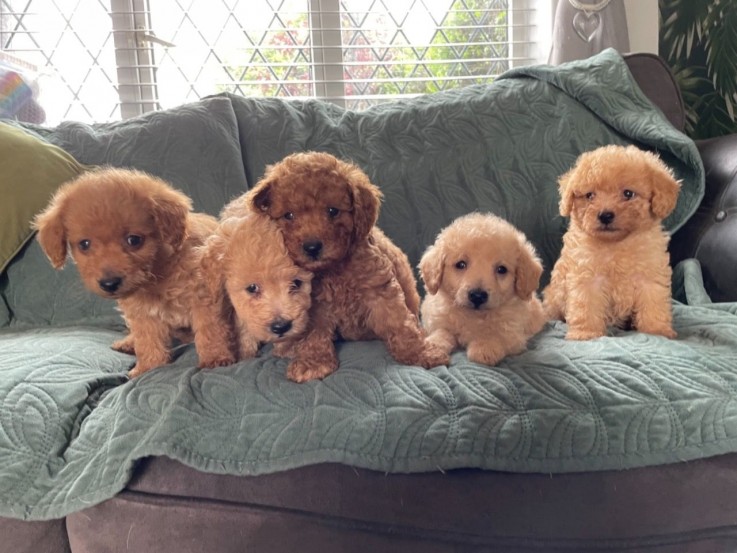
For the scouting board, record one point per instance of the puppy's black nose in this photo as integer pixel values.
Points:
(606, 217)
(110, 285)
(312, 248)
(477, 297)
(280, 327)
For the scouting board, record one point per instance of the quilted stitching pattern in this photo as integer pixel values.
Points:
(69, 437)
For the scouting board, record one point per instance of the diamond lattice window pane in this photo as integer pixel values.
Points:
(394, 48)
(71, 45)
(356, 52)
(255, 48)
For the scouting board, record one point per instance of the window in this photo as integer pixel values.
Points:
(101, 60)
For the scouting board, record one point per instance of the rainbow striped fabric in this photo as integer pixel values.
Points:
(14, 92)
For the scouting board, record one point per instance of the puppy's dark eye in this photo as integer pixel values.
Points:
(333, 212)
(461, 265)
(590, 195)
(296, 285)
(289, 216)
(84, 245)
(628, 194)
(134, 241)
(502, 270)
(252, 289)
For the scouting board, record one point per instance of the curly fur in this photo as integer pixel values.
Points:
(363, 286)
(614, 267)
(133, 238)
(481, 275)
(245, 262)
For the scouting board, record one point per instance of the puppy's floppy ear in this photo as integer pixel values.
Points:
(431, 268)
(259, 198)
(565, 187)
(665, 187)
(366, 199)
(170, 209)
(528, 271)
(52, 235)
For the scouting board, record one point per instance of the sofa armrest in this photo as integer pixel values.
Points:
(710, 235)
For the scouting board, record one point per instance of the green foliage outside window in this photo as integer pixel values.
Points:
(283, 55)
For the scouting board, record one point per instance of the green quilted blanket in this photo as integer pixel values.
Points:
(72, 427)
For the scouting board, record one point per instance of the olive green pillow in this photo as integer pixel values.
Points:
(30, 171)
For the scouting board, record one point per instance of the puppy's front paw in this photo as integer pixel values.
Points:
(484, 355)
(138, 370)
(664, 330)
(216, 360)
(248, 347)
(582, 334)
(302, 371)
(124, 346)
(433, 356)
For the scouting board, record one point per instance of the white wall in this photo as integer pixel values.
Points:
(642, 25)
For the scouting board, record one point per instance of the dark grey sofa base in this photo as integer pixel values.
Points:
(18, 536)
(169, 507)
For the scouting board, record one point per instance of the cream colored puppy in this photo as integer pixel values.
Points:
(481, 275)
(614, 267)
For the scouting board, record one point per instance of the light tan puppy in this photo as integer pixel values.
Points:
(481, 275)
(134, 238)
(246, 262)
(614, 269)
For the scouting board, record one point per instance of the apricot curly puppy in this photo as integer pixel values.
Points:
(363, 287)
(134, 238)
(481, 275)
(246, 263)
(614, 269)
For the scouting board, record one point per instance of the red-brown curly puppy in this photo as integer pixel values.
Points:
(134, 238)
(481, 275)
(246, 262)
(613, 269)
(363, 287)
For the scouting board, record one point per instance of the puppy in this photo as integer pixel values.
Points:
(613, 268)
(363, 287)
(245, 262)
(481, 275)
(134, 238)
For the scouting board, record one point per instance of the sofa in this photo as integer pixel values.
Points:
(624, 443)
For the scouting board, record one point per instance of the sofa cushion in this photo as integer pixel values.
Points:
(497, 148)
(30, 171)
(194, 147)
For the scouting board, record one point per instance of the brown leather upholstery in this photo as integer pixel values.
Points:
(710, 235)
(657, 83)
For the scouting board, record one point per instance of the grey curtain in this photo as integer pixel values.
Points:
(579, 34)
